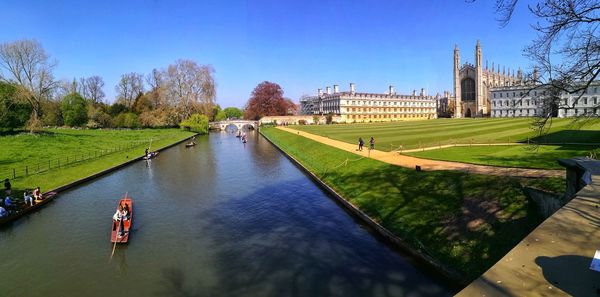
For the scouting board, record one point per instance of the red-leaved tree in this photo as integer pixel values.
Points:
(266, 100)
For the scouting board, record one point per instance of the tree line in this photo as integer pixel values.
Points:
(31, 97)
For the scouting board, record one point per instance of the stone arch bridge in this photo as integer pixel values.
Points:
(240, 124)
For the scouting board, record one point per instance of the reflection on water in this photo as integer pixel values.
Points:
(218, 219)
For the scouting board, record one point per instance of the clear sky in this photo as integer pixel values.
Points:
(301, 45)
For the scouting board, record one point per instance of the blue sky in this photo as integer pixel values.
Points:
(301, 45)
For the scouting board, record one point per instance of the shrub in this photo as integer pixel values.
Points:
(196, 123)
(301, 122)
(126, 120)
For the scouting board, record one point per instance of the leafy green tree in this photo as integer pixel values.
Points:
(233, 113)
(221, 115)
(74, 110)
(116, 109)
(196, 123)
(14, 111)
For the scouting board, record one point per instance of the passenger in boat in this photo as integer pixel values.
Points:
(126, 211)
(8, 203)
(3, 212)
(27, 198)
(118, 218)
(7, 187)
(37, 194)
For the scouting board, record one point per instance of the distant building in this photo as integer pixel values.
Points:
(473, 84)
(443, 105)
(352, 106)
(525, 101)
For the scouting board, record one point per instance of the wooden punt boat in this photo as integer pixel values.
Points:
(114, 234)
(47, 197)
(151, 155)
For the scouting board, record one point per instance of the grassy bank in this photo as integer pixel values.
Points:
(416, 134)
(543, 156)
(465, 221)
(74, 154)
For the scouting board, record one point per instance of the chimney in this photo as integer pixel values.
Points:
(392, 91)
(422, 92)
(320, 92)
(352, 88)
(336, 89)
(414, 92)
(328, 90)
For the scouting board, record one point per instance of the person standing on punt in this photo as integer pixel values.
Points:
(118, 217)
(7, 187)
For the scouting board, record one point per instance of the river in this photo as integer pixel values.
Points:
(218, 219)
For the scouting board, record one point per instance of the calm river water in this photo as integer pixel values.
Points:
(219, 219)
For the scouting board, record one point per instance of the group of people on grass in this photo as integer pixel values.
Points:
(361, 143)
(8, 205)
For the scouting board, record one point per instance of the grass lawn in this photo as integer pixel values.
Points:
(543, 156)
(414, 134)
(465, 221)
(56, 145)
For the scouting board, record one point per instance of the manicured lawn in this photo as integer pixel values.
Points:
(99, 149)
(465, 221)
(415, 134)
(543, 156)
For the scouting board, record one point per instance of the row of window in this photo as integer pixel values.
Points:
(354, 109)
(388, 103)
(528, 102)
(390, 116)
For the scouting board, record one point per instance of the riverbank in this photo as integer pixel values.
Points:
(117, 151)
(463, 222)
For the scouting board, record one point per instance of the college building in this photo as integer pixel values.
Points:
(473, 84)
(525, 101)
(351, 106)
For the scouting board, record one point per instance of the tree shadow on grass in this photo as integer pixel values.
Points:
(573, 136)
(465, 221)
(288, 239)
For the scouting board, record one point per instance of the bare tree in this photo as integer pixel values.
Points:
(93, 87)
(129, 87)
(566, 51)
(157, 84)
(190, 87)
(26, 63)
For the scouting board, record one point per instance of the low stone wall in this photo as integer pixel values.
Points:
(548, 203)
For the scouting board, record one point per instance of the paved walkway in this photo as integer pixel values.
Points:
(410, 162)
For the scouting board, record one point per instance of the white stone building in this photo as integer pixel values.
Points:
(352, 106)
(525, 101)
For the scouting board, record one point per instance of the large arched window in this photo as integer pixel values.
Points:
(467, 89)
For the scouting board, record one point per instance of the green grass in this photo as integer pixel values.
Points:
(96, 147)
(543, 156)
(416, 134)
(465, 221)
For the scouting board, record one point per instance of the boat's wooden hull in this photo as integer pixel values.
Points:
(49, 196)
(114, 234)
(152, 156)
